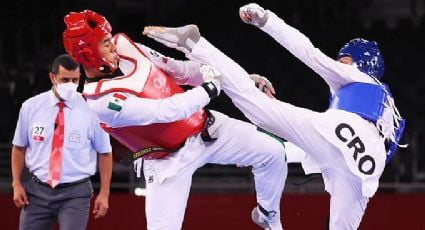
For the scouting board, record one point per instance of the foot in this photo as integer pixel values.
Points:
(181, 38)
(268, 223)
(255, 216)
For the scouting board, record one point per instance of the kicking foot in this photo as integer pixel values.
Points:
(182, 38)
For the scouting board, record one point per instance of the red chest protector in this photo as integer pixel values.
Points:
(146, 81)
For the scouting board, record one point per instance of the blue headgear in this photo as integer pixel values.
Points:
(365, 55)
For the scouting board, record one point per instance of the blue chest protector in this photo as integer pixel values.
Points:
(367, 101)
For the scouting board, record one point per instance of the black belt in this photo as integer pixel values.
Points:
(205, 136)
(61, 185)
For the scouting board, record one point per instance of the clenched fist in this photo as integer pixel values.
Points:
(253, 14)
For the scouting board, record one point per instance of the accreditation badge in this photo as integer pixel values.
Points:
(38, 131)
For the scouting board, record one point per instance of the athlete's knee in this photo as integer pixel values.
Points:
(275, 155)
(277, 151)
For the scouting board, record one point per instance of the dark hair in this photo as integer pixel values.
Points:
(65, 61)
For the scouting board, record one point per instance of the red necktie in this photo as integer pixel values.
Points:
(55, 161)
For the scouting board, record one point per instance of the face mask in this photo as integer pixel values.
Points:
(67, 91)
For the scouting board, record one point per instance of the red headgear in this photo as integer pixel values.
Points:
(84, 30)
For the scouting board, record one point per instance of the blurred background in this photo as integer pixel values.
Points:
(31, 36)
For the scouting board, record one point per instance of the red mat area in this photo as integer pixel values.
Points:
(232, 211)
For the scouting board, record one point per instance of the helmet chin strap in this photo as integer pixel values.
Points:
(81, 82)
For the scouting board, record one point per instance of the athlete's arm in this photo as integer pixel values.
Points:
(122, 109)
(333, 72)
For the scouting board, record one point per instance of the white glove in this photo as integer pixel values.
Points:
(263, 84)
(181, 38)
(211, 75)
(253, 14)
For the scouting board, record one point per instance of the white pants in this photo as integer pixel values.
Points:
(296, 125)
(237, 143)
